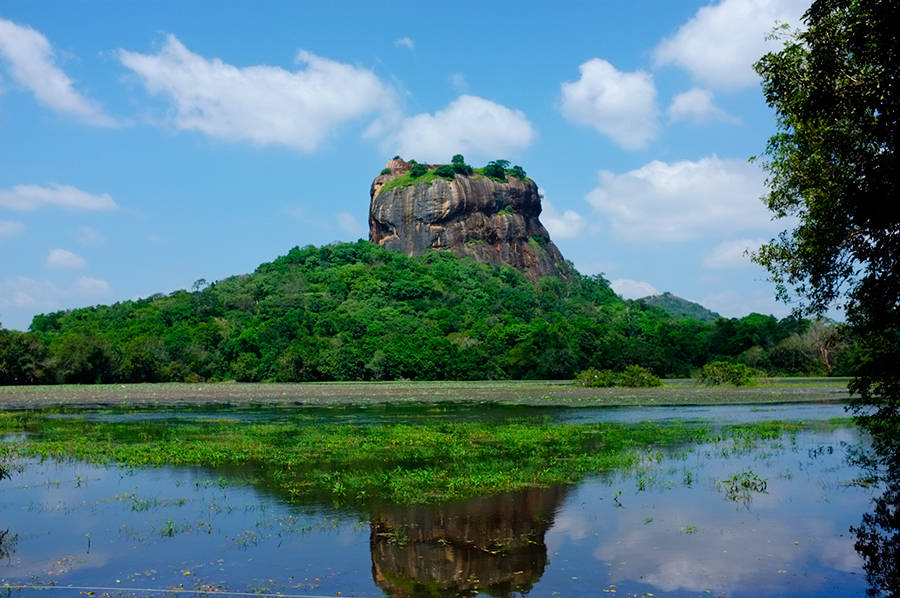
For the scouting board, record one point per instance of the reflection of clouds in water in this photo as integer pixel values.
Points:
(726, 560)
(837, 552)
(573, 527)
(674, 538)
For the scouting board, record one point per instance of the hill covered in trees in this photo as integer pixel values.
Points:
(355, 311)
(681, 308)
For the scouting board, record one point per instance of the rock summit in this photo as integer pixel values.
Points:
(469, 215)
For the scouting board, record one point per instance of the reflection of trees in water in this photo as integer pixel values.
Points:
(7, 543)
(494, 545)
(878, 536)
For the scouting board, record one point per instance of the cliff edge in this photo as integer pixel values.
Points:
(469, 215)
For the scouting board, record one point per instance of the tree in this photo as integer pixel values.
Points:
(496, 169)
(833, 165)
(458, 163)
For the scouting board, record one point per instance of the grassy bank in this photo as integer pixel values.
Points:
(560, 393)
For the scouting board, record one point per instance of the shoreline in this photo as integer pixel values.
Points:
(336, 394)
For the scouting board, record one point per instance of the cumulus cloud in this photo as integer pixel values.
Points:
(64, 259)
(260, 104)
(405, 42)
(567, 225)
(632, 289)
(348, 223)
(720, 43)
(468, 125)
(619, 105)
(10, 228)
(31, 197)
(33, 66)
(684, 200)
(698, 106)
(730, 254)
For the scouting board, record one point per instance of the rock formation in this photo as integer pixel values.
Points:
(469, 216)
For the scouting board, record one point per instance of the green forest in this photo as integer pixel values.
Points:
(354, 311)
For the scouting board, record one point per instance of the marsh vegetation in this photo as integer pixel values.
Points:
(429, 498)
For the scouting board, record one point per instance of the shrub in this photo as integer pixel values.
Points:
(386, 171)
(496, 169)
(594, 378)
(417, 170)
(446, 171)
(458, 163)
(636, 376)
(719, 373)
(518, 172)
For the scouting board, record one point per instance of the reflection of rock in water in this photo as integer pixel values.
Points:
(491, 544)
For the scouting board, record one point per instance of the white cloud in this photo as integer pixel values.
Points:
(90, 287)
(697, 105)
(720, 43)
(31, 197)
(33, 66)
(10, 228)
(30, 294)
(620, 105)
(730, 254)
(348, 223)
(459, 83)
(468, 125)
(632, 289)
(64, 259)
(26, 293)
(684, 200)
(567, 225)
(405, 42)
(261, 104)
(89, 236)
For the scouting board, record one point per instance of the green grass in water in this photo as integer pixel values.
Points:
(357, 465)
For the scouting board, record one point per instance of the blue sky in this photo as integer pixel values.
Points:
(146, 145)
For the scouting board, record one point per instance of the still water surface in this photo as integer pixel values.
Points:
(672, 527)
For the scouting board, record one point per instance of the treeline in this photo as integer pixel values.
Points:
(353, 311)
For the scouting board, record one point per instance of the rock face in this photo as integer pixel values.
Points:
(469, 216)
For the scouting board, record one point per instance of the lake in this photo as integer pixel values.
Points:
(731, 515)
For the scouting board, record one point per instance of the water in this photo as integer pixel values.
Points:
(413, 413)
(675, 526)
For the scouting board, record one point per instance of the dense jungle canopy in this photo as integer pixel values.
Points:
(354, 311)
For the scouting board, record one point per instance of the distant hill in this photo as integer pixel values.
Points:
(681, 308)
(356, 311)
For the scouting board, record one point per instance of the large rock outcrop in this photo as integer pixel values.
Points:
(469, 216)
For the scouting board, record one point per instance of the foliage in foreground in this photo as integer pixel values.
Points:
(833, 165)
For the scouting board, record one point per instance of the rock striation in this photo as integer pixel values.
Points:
(470, 216)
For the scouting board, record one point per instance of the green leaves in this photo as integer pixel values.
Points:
(833, 164)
